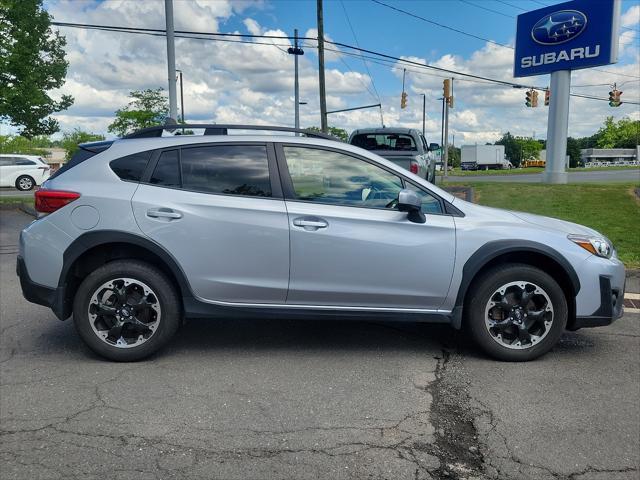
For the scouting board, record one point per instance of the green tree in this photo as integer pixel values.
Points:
(19, 144)
(529, 147)
(573, 150)
(512, 148)
(623, 134)
(455, 156)
(32, 62)
(145, 109)
(341, 133)
(71, 140)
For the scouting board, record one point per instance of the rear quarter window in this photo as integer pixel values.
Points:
(131, 167)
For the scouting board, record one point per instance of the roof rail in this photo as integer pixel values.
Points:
(222, 129)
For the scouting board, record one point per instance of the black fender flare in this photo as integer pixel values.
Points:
(491, 250)
(90, 240)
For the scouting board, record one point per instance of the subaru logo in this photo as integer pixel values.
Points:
(559, 27)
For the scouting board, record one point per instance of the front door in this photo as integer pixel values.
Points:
(350, 246)
(214, 208)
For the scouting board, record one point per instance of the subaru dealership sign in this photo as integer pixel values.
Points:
(567, 36)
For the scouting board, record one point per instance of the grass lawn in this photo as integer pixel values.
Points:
(521, 171)
(15, 201)
(612, 209)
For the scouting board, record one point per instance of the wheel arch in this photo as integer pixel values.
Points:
(524, 251)
(93, 249)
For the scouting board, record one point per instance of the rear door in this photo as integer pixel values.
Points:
(218, 209)
(350, 246)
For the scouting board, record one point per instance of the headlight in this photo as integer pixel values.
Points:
(599, 246)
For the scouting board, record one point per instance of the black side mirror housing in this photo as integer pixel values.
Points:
(433, 147)
(410, 202)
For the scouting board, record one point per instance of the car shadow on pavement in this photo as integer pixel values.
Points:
(244, 335)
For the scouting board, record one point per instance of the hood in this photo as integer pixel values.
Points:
(555, 224)
(509, 216)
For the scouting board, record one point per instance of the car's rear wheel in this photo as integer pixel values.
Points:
(126, 310)
(516, 312)
(24, 183)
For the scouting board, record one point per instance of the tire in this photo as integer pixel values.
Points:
(25, 183)
(501, 330)
(151, 317)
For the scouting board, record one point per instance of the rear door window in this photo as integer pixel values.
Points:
(167, 171)
(226, 169)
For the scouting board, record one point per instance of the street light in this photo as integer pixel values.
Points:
(181, 95)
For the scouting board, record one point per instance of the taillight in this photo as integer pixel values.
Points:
(413, 168)
(48, 201)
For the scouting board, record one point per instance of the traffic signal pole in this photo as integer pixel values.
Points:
(558, 126)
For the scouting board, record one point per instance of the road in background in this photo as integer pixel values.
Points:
(240, 399)
(574, 177)
(12, 192)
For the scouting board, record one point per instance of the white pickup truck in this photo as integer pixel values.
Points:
(406, 147)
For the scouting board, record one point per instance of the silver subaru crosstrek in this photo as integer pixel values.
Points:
(139, 233)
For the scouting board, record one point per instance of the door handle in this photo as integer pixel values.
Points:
(310, 223)
(163, 213)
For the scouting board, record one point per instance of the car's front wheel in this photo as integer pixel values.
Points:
(24, 183)
(516, 312)
(126, 310)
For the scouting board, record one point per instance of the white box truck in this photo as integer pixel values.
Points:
(484, 157)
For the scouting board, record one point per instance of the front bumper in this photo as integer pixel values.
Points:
(611, 307)
(36, 293)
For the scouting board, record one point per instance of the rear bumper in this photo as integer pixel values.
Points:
(611, 307)
(41, 295)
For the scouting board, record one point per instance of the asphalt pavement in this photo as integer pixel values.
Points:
(12, 192)
(300, 399)
(597, 176)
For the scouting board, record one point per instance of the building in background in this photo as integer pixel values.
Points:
(607, 157)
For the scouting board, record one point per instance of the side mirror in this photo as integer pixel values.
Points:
(433, 147)
(410, 202)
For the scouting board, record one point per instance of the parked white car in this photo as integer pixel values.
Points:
(23, 171)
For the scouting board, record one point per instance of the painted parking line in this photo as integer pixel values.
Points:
(632, 296)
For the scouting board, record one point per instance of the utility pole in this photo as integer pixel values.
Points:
(181, 96)
(424, 111)
(171, 60)
(295, 51)
(323, 94)
(446, 138)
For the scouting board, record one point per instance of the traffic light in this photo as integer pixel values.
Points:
(450, 101)
(403, 100)
(547, 97)
(614, 97)
(534, 102)
(446, 88)
(529, 98)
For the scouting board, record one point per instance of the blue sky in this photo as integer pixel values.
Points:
(249, 83)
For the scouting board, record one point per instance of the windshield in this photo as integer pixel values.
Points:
(385, 141)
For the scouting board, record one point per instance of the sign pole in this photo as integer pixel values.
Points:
(557, 130)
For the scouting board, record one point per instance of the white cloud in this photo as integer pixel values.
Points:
(244, 83)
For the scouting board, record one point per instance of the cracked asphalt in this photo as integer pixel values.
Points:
(296, 400)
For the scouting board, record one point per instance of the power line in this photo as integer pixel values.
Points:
(439, 24)
(487, 9)
(358, 45)
(212, 37)
(476, 36)
(510, 5)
